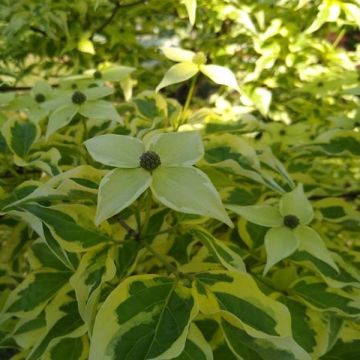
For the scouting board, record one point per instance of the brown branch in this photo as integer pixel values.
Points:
(131, 232)
(39, 31)
(116, 8)
(6, 88)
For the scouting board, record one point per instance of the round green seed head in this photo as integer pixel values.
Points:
(291, 221)
(40, 98)
(97, 74)
(149, 160)
(78, 97)
(199, 58)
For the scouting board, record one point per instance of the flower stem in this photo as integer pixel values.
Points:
(148, 203)
(339, 38)
(85, 136)
(187, 101)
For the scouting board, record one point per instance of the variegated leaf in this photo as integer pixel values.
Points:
(146, 317)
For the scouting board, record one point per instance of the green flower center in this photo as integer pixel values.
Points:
(78, 97)
(97, 74)
(149, 160)
(199, 58)
(39, 98)
(291, 221)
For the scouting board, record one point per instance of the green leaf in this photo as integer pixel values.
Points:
(296, 203)
(191, 9)
(116, 73)
(20, 136)
(86, 46)
(69, 348)
(280, 242)
(263, 215)
(96, 93)
(101, 110)
(32, 295)
(348, 274)
(220, 75)
(318, 295)
(116, 150)
(146, 317)
(222, 252)
(328, 11)
(178, 54)
(236, 298)
(261, 97)
(42, 256)
(175, 188)
(178, 149)
(268, 349)
(61, 117)
(178, 73)
(309, 329)
(95, 268)
(119, 189)
(196, 347)
(71, 225)
(311, 242)
(62, 321)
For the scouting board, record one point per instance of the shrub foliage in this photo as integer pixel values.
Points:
(179, 180)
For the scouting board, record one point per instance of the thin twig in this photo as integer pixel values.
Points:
(39, 31)
(134, 234)
(5, 88)
(114, 12)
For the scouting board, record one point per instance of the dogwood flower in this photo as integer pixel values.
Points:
(165, 164)
(34, 100)
(85, 102)
(289, 230)
(190, 64)
(104, 73)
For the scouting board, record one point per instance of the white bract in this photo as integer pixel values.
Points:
(191, 63)
(165, 164)
(289, 230)
(85, 102)
(34, 100)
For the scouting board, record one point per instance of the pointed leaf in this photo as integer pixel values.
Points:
(100, 109)
(97, 92)
(61, 117)
(263, 215)
(178, 54)
(115, 150)
(220, 75)
(196, 347)
(116, 73)
(296, 203)
(71, 225)
(146, 317)
(311, 242)
(178, 148)
(188, 190)
(32, 295)
(20, 135)
(221, 251)
(118, 189)
(178, 73)
(268, 349)
(280, 242)
(191, 9)
(235, 297)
